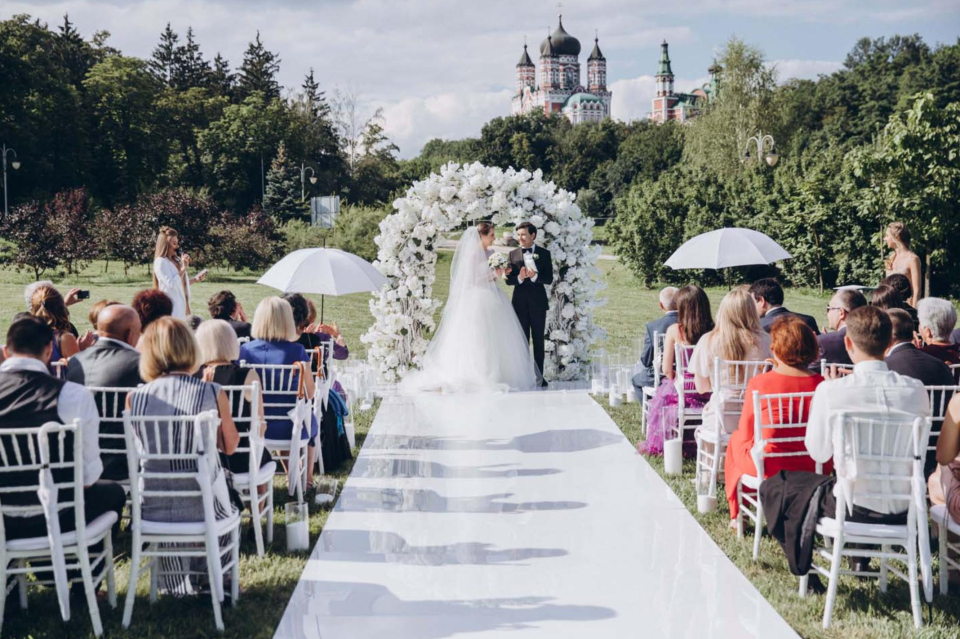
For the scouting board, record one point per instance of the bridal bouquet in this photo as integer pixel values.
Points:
(498, 261)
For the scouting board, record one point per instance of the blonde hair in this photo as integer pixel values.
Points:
(168, 346)
(738, 326)
(900, 232)
(273, 321)
(48, 304)
(163, 248)
(217, 341)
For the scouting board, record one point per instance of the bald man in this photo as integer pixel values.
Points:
(112, 362)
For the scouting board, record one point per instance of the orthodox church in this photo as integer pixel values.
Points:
(557, 88)
(669, 105)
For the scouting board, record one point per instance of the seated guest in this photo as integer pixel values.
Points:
(29, 398)
(668, 304)
(311, 337)
(48, 305)
(693, 322)
(194, 321)
(871, 391)
(151, 304)
(168, 361)
(944, 485)
(901, 283)
(219, 352)
(737, 337)
(72, 297)
(95, 311)
(905, 358)
(112, 362)
(794, 347)
(224, 306)
(938, 318)
(274, 334)
(768, 294)
(832, 343)
(886, 297)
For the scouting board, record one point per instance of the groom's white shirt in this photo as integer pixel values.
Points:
(520, 278)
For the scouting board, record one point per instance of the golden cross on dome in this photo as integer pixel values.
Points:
(560, 9)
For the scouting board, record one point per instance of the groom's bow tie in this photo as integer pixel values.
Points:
(528, 250)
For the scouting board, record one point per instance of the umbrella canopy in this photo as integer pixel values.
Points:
(724, 248)
(323, 271)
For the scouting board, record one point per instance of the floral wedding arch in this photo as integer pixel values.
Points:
(404, 309)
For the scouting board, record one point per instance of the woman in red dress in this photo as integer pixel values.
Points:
(794, 348)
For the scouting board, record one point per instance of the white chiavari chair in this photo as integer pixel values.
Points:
(777, 438)
(649, 392)
(688, 417)
(888, 454)
(52, 454)
(188, 445)
(59, 369)
(955, 369)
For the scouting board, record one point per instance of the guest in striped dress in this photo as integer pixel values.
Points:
(169, 357)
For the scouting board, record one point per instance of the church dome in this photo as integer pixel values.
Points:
(525, 60)
(560, 43)
(578, 99)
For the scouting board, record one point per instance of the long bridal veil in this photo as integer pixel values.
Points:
(479, 345)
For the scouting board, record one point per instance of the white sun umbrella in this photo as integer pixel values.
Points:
(323, 271)
(724, 248)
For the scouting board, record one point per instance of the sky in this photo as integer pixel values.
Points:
(442, 68)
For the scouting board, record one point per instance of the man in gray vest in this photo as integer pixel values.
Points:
(29, 398)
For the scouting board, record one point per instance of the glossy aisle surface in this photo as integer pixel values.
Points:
(514, 515)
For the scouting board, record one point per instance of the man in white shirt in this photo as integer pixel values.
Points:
(871, 391)
(31, 397)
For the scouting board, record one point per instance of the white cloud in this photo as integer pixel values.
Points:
(805, 69)
(632, 98)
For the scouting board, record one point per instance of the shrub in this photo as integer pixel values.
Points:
(248, 242)
(356, 228)
(35, 247)
(69, 220)
(298, 234)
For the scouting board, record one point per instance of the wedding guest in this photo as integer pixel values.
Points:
(886, 297)
(944, 484)
(668, 304)
(194, 322)
(938, 318)
(312, 336)
(831, 344)
(72, 297)
(274, 334)
(794, 347)
(170, 271)
(737, 337)
(327, 333)
(151, 304)
(768, 295)
(901, 283)
(95, 311)
(169, 359)
(905, 358)
(29, 398)
(693, 322)
(903, 260)
(49, 306)
(113, 362)
(219, 352)
(225, 306)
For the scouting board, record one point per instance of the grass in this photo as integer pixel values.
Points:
(268, 582)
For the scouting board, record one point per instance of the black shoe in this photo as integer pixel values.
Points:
(543, 383)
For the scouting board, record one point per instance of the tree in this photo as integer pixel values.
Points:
(222, 80)
(376, 174)
(258, 73)
(248, 242)
(69, 221)
(126, 234)
(35, 247)
(283, 200)
(190, 70)
(912, 173)
(166, 56)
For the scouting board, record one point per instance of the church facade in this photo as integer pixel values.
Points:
(557, 87)
(681, 107)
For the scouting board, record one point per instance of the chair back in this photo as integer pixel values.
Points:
(779, 427)
(887, 453)
(243, 340)
(186, 445)
(658, 339)
(246, 416)
(681, 360)
(59, 369)
(111, 402)
(729, 382)
(955, 369)
(27, 452)
(841, 368)
(939, 399)
(281, 388)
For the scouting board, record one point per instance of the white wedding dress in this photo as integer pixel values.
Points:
(479, 345)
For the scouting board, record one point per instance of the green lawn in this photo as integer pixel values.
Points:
(268, 582)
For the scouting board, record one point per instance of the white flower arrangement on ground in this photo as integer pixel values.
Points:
(498, 261)
(404, 310)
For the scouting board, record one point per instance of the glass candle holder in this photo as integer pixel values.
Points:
(298, 526)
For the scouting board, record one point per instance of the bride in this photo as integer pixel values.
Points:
(479, 345)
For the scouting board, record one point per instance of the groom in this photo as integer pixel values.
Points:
(530, 295)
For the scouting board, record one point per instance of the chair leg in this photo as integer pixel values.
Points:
(836, 558)
(914, 585)
(255, 517)
(132, 581)
(83, 554)
(944, 556)
(111, 578)
(757, 528)
(3, 590)
(803, 585)
(884, 568)
(154, 578)
(715, 467)
(270, 512)
(740, 507)
(213, 554)
(22, 584)
(235, 571)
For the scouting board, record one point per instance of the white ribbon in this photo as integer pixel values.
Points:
(300, 417)
(48, 499)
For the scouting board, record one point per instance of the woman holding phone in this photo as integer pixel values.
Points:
(170, 271)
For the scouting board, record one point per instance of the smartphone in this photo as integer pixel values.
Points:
(83, 295)
(202, 273)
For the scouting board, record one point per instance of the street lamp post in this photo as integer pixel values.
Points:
(15, 164)
(313, 179)
(760, 140)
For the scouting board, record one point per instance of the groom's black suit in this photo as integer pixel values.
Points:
(530, 298)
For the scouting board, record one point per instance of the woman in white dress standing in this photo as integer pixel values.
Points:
(170, 274)
(479, 345)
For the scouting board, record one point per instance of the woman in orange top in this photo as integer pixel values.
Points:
(794, 347)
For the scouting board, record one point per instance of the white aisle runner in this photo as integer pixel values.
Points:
(521, 515)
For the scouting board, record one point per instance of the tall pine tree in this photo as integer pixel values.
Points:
(166, 56)
(316, 99)
(190, 69)
(222, 80)
(259, 71)
(282, 199)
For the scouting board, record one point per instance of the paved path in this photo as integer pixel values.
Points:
(515, 516)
